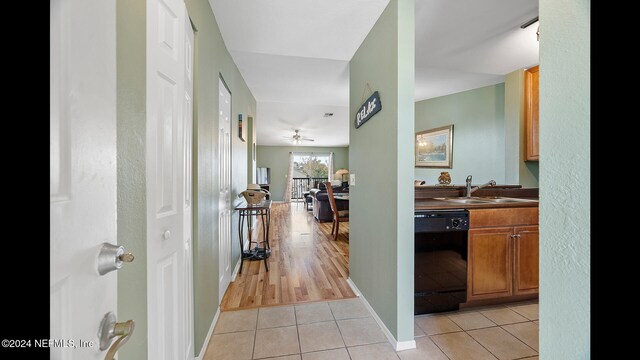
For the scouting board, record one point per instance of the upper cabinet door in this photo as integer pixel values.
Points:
(531, 113)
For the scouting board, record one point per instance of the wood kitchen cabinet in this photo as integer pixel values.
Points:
(526, 255)
(531, 114)
(503, 253)
(490, 265)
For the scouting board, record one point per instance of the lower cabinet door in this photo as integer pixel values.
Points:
(490, 263)
(526, 260)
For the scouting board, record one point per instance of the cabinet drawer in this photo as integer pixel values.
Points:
(479, 218)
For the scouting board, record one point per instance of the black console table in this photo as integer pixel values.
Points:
(263, 210)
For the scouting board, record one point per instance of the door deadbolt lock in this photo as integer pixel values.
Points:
(111, 258)
(110, 329)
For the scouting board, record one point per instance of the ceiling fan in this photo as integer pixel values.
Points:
(297, 138)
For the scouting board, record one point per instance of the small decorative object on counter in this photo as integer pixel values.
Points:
(444, 178)
(254, 194)
(418, 182)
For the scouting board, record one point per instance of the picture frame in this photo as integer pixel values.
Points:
(434, 148)
(240, 134)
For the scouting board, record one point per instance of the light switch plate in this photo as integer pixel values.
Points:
(352, 179)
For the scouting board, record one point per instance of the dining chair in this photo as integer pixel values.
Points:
(338, 215)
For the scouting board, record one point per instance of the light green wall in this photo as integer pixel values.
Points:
(252, 155)
(131, 135)
(529, 172)
(517, 170)
(514, 119)
(565, 179)
(489, 133)
(211, 58)
(478, 133)
(381, 157)
(277, 159)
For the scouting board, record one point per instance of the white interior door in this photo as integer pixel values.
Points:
(82, 178)
(224, 184)
(168, 271)
(188, 189)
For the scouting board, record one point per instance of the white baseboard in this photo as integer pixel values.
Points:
(397, 345)
(234, 274)
(209, 334)
(355, 288)
(405, 345)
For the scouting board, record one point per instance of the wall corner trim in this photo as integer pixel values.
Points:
(397, 345)
(405, 345)
(209, 334)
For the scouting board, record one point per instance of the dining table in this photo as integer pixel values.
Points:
(341, 197)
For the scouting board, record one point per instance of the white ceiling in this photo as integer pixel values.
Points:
(467, 44)
(294, 54)
(285, 118)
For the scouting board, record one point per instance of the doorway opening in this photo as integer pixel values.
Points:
(308, 171)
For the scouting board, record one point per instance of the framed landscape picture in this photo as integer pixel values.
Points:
(240, 134)
(434, 148)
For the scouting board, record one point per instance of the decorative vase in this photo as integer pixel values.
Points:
(444, 178)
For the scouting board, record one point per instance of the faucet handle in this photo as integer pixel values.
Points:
(492, 183)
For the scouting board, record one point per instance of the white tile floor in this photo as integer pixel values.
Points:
(344, 329)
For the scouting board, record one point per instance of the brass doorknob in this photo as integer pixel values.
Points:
(124, 330)
(110, 329)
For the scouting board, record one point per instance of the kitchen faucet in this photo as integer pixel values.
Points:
(470, 190)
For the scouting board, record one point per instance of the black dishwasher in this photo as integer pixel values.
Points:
(440, 260)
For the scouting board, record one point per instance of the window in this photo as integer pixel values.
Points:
(310, 165)
(309, 169)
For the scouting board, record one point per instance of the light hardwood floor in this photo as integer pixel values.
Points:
(305, 265)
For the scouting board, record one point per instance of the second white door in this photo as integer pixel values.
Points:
(224, 181)
(168, 172)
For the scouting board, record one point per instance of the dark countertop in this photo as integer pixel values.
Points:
(433, 204)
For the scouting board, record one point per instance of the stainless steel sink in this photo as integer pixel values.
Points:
(465, 200)
(500, 199)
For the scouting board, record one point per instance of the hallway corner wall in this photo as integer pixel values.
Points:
(131, 141)
(381, 157)
(565, 180)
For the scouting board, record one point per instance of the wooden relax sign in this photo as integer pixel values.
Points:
(368, 109)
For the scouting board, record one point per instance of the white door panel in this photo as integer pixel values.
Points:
(224, 184)
(82, 170)
(169, 102)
